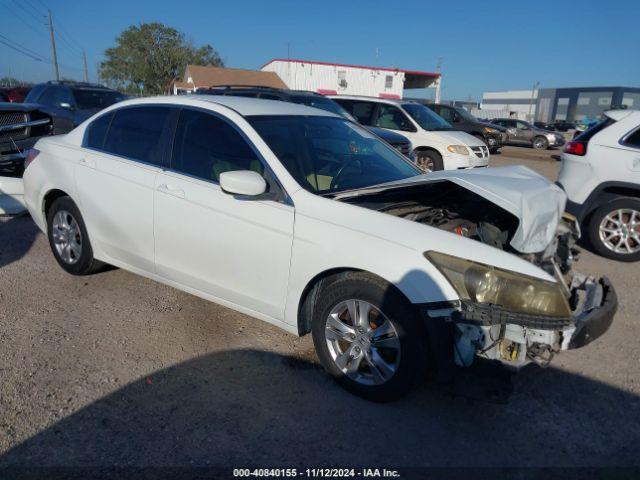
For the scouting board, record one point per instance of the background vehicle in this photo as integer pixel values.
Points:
(13, 94)
(544, 126)
(355, 245)
(562, 126)
(600, 173)
(21, 125)
(437, 145)
(311, 99)
(71, 103)
(520, 132)
(492, 135)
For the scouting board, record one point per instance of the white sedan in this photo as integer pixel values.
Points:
(305, 220)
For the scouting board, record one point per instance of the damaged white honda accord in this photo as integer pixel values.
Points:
(306, 220)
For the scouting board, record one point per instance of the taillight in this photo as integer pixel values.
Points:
(32, 153)
(576, 148)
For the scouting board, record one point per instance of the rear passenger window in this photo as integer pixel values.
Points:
(96, 132)
(206, 146)
(136, 133)
(633, 140)
(362, 111)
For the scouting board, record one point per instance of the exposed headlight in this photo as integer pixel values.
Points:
(551, 137)
(459, 149)
(513, 291)
(490, 130)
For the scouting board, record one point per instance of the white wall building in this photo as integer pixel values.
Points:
(511, 103)
(343, 79)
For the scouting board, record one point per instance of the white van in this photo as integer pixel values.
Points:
(437, 145)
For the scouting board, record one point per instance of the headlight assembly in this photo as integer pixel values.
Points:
(459, 149)
(490, 130)
(513, 291)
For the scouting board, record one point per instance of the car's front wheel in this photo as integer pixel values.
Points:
(69, 239)
(368, 337)
(429, 161)
(614, 230)
(540, 143)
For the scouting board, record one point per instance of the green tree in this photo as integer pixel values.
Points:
(150, 57)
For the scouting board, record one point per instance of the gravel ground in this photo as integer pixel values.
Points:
(116, 370)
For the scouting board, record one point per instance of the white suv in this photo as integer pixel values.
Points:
(306, 220)
(601, 175)
(437, 145)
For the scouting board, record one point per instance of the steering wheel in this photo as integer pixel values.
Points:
(334, 180)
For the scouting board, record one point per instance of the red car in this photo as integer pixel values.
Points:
(13, 94)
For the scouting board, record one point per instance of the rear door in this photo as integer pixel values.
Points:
(116, 181)
(236, 250)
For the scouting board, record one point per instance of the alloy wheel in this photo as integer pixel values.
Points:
(425, 163)
(67, 237)
(620, 231)
(362, 342)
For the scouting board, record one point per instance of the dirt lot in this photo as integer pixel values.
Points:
(114, 369)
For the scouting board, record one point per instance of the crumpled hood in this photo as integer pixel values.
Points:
(534, 200)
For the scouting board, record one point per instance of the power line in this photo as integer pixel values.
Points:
(21, 47)
(22, 19)
(22, 52)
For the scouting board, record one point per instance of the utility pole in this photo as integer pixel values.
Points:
(53, 48)
(86, 71)
(439, 84)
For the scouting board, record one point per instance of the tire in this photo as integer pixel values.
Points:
(614, 224)
(383, 373)
(429, 161)
(69, 240)
(540, 143)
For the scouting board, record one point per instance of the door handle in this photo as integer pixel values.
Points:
(87, 162)
(171, 190)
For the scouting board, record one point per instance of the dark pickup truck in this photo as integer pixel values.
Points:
(21, 125)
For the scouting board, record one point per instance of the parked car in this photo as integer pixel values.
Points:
(21, 125)
(563, 126)
(520, 132)
(544, 126)
(437, 145)
(310, 99)
(600, 174)
(71, 103)
(13, 94)
(492, 135)
(303, 219)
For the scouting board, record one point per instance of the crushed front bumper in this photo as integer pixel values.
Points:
(516, 339)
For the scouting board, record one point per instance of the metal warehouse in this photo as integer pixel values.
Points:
(343, 79)
(559, 104)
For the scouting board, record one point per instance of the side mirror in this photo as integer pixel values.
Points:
(511, 131)
(243, 182)
(66, 105)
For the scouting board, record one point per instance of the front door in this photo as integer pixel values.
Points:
(237, 250)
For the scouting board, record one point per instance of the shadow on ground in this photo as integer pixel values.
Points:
(17, 234)
(245, 407)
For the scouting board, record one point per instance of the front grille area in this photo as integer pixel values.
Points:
(10, 118)
(481, 152)
(404, 148)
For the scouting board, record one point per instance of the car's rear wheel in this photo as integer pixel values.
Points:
(429, 161)
(614, 230)
(69, 239)
(540, 143)
(368, 337)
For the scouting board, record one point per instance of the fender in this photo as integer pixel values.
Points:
(603, 193)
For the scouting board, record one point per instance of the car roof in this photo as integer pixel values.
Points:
(391, 101)
(245, 106)
(618, 115)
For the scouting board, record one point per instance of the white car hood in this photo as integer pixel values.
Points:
(533, 199)
(455, 137)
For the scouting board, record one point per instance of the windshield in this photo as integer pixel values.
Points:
(425, 117)
(329, 154)
(466, 115)
(323, 104)
(96, 99)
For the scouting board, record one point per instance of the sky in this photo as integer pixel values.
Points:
(484, 46)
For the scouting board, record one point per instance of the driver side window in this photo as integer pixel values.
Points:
(206, 146)
(446, 113)
(392, 118)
